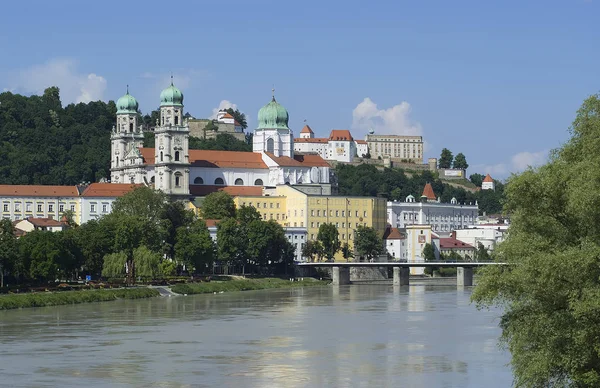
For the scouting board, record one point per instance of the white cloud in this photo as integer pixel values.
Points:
(74, 86)
(224, 104)
(517, 163)
(393, 121)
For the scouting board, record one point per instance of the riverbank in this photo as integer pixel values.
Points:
(243, 285)
(41, 299)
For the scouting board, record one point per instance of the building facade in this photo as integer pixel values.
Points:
(409, 148)
(339, 146)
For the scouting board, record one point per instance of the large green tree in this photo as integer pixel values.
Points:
(429, 252)
(8, 248)
(550, 292)
(217, 206)
(329, 238)
(367, 242)
(446, 159)
(194, 247)
(460, 161)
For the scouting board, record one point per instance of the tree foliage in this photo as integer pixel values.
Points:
(429, 252)
(8, 248)
(551, 292)
(312, 250)
(446, 159)
(367, 242)
(238, 116)
(217, 206)
(221, 142)
(329, 238)
(460, 162)
(194, 247)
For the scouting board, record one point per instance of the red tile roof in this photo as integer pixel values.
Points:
(211, 223)
(488, 178)
(216, 159)
(450, 242)
(42, 222)
(306, 129)
(227, 116)
(310, 140)
(393, 234)
(428, 192)
(38, 191)
(299, 160)
(340, 134)
(361, 142)
(108, 189)
(202, 190)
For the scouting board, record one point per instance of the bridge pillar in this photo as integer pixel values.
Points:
(340, 275)
(401, 276)
(464, 276)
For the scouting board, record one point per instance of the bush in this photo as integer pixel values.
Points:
(242, 285)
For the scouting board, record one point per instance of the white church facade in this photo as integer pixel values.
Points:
(179, 172)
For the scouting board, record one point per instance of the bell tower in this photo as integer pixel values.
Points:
(273, 134)
(171, 137)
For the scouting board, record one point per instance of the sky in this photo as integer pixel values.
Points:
(499, 81)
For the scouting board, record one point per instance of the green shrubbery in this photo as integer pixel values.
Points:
(242, 285)
(40, 299)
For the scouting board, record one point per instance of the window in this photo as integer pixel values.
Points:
(278, 207)
(258, 182)
(93, 208)
(176, 123)
(5, 207)
(312, 224)
(176, 153)
(219, 181)
(72, 208)
(161, 156)
(61, 208)
(239, 182)
(357, 214)
(270, 145)
(104, 208)
(343, 213)
(365, 213)
(50, 208)
(271, 205)
(130, 127)
(312, 213)
(198, 181)
(258, 205)
(40, 207)
(177, 180)
(318, 213)
(337, 213)
(28, 207)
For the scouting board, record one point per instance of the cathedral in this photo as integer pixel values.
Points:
(180, 172)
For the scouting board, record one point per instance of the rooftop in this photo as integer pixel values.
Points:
(38, 191)
(340, 134)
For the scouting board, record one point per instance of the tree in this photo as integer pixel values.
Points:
(347, 252)
(143, 202)
(550, 291)
(8, 248)
(217, 206)
(329, 238)
(114, 265)
(481, 254)
(476, 179)
(429, 252)
(312, 249)
(445, 159)
(460, 162)
(238, 116)
(95, 240)
(147, 263)
(194, 247)
(247, 214)
(230, 243)
(367, 242)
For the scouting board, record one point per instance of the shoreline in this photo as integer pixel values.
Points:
(62, 298)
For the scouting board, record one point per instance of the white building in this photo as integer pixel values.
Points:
(339, 146)
(443, 217)
(408, 148)
(395, 243)
(362, 148)
(488, 235)
(488, 183)
(30, 224)
(225, 117)
(464, 250)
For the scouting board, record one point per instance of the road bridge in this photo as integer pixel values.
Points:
(341, 271)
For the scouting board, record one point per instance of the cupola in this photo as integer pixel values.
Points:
(127, 104)
(273, 116)
(171, 96)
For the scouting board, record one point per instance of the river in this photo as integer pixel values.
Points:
(368, 335)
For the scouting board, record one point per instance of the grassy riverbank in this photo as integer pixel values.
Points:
(243, 285)
(40, 299)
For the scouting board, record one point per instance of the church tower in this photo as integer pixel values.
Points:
(273, 134)
(171, 157)
(126, 162)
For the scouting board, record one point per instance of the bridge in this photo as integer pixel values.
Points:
(341, 271)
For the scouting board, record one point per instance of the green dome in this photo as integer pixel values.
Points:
(273, 116)
(127, 104)
(171, 96)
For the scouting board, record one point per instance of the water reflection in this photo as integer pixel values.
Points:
(360, 335)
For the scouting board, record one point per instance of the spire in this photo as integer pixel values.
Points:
(127, 89)
(273, 92)
(171, 78)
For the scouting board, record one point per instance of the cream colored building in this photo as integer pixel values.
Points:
(396, 147)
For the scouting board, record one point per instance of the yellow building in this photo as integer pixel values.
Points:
(37, 201)
(293, 208)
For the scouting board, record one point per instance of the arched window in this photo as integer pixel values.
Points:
(258, 182)
(270, 145)
(239, 182)
(130, 127)
(177, 179)
(117, 161)
(198, 181)
(219, 181)
(161, 156)
(176, 120)
(163, 120)
(152, 180)
(177, 156)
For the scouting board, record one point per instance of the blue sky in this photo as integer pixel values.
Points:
(499, 81)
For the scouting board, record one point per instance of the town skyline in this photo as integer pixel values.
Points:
(414, 69)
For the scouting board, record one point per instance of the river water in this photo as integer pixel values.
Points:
(369, 335)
